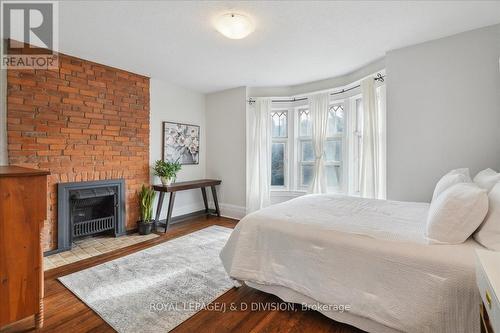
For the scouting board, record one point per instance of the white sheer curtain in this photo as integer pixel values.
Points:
(382, 113)
(372, 180)
(258, 155)
(318, 108)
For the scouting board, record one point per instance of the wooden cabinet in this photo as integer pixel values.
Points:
(23, 210)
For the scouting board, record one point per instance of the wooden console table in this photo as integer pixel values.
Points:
(182, 186)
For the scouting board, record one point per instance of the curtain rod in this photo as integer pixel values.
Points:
(379, 77)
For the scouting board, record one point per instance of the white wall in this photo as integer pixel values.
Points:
(443, 111)
(226, 135)
(172, 103)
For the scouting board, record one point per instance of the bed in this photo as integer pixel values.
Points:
(328, 251)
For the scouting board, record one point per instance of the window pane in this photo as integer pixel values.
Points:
(278, 164)
(307, 173)
(279, 124)
(307, 151)
(305, 126)
(336, 119)
(334, 176)
(333, 150)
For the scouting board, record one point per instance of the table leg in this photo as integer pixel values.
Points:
(205, 201)
(170, 208)
(158, 209)
(216, 202)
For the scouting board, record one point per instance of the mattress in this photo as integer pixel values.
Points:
(370, 255)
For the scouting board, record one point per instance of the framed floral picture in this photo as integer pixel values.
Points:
(181, 142)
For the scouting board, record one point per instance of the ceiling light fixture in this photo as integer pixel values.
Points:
(234, 26)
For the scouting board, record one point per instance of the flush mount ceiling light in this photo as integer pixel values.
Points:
(234, 26)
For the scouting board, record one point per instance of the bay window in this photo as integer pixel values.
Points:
(292, 167)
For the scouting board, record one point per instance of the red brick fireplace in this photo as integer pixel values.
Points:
(83, 122)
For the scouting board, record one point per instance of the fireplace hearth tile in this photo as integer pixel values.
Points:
(91, 247)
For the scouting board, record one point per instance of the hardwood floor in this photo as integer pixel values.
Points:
(64, 312)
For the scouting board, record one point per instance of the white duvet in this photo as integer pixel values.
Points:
(369, 254)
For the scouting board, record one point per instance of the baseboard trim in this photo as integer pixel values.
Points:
(184, 217)
(179, 210)
(232, 211)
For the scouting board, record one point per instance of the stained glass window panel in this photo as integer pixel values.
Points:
(305, 126)
(336, 119)
(279, 124)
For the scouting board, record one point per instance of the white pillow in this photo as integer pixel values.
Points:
(487, 179)
(488, 233)
(456, 214)
(451, 178)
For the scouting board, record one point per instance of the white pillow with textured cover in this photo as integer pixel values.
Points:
(488, 234)
(456, 213)
(451, 178)
(487, 179)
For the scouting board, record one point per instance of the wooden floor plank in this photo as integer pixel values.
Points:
(64, 312)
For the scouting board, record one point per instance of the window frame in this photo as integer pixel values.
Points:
(298, 144)
(301, 139)
(345, 156)
(286, 142)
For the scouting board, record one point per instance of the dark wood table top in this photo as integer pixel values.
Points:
(17, 171)
(181, 186)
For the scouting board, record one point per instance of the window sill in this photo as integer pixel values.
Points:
(296, 193)
(287, 193)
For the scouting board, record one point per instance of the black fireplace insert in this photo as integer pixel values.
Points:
(93, 211)
(89, 208)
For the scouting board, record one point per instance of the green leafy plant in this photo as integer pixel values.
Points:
(167, 170)
(146, 197)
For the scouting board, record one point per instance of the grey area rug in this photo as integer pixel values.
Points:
(156, 289)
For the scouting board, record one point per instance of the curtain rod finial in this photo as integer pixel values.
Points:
(380, 77)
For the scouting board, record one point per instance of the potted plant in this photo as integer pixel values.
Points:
(166, 171)
(146, 198)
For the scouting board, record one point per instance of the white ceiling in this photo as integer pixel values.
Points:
(294, 41)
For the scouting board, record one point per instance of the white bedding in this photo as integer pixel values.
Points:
(369, 254)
